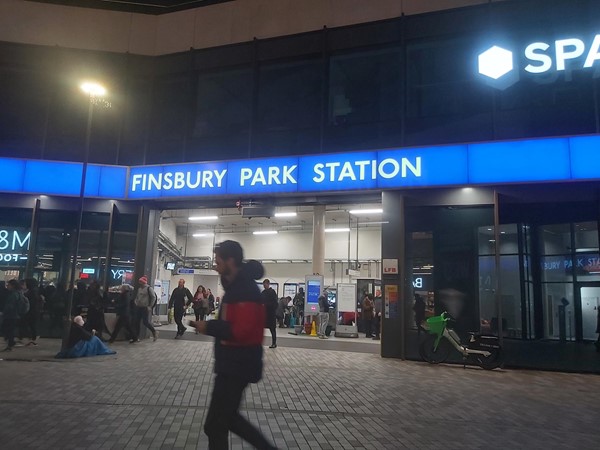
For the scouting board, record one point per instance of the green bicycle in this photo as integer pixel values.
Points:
(434, 349)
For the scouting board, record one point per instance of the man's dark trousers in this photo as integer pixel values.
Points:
(223, 416)
(178, 315)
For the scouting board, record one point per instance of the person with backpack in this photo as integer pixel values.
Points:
(145, 299)
(16, 305)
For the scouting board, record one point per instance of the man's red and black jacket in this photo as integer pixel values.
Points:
(239, 329)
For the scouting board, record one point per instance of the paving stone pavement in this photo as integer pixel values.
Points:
(155, 395)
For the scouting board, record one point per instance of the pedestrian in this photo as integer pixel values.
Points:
(144, 299)
(597, 343)
(238, 334)
(323, 315)
(367, 313)
(280, 313)
(378, 306)
(83, 342)
(198, 305)
(178, 303)
(211, 302)
(10, 313)
(30, 322)
(299, 306)
(269, 297)
(123, 312)
(57, 306)
(95, 312)
(419, 309)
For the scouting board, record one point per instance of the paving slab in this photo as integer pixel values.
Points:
(156, 394)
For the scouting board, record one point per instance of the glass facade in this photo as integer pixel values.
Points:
(405, 82)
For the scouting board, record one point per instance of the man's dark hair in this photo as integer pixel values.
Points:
(230, 249)
(14, 284)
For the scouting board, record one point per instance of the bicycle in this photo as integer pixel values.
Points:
(434, 349)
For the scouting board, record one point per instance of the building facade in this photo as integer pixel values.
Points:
(514, 233)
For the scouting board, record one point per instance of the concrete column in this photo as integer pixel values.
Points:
(318, 252)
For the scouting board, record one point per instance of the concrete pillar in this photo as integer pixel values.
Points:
(393, 328)
(318, 252)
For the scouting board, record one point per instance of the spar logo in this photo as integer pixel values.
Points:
(499, 66)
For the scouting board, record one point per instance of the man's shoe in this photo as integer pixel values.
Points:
(273, 346)
(155, 337)
(30, 343)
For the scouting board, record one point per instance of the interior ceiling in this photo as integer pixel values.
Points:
(154, 7)
(230, 220)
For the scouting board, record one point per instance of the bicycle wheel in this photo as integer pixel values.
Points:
(430, 355)
(491, 362)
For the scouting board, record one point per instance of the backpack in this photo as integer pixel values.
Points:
(22, 305)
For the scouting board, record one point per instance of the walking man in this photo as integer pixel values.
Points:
(122, 308)
(145, 299)
(269, 297)
(378, 305)
(238, 334)
(323, 315)
(178, 303)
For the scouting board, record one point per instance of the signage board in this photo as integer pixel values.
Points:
(498, 162)
(390, 266)
(314, 288)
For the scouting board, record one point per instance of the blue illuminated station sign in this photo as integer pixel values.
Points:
(491, 163)
(536, 160)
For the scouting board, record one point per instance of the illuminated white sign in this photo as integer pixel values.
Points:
(498, 66)
(12, 240)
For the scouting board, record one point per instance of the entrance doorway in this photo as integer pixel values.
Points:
(589, 294)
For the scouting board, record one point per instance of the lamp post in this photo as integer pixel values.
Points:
(95, 92)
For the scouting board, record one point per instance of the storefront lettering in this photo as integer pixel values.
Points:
(11, 240)
(564, 50)
(178, 180)
(362, 170)
(274, 175)
(12, 257)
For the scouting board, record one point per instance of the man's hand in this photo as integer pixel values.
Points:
(200, 326)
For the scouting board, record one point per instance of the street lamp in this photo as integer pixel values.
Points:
(95, 92)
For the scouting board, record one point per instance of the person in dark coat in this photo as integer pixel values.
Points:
(10, 314)
(597, 343)
(95, 315)
(29, 323)
(419, 309)
(123, 312)
(269, 297)
(238, 334)
(178, 303)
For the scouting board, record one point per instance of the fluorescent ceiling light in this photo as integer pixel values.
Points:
(203, 218)
(366, 211)
(337, 230)
(203, 235)
(264, 232)
(286, 214)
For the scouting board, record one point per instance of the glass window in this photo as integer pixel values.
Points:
(511, 295)
(134, 113)
(559, 316)
(290, 96)
(365, 87)
(557, 268)
(586, 237)
(122, 263)
(443, 95)
(222, 121)
(561, 103)
(555, 239)
(24, 101)
(509, 242)
(171, 108)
